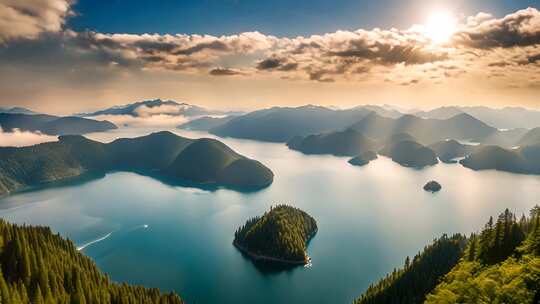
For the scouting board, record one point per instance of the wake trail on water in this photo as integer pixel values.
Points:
(82, 247)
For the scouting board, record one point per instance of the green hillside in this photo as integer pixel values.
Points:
(200, 161)
(342, 143)
(38, 267)
(501, 264)
(410, 154)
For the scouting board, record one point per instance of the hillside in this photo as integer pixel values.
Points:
(522, 160)
(426, 131)
(448, 150)
(341, 143)
(501, 264)
(281, 124)
(411, 283)
(161, 153)
(37, 266)
(410, 154)
(206, 123)
(504, 118)
(532, 137)
(280, 234)
(53, 125)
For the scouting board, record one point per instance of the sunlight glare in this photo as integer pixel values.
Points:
(440, 26)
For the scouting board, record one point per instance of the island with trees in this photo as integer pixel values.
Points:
(432, 186)
(37, 266)
(279, 235)
(163, 154)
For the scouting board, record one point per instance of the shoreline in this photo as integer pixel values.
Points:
(258, 257)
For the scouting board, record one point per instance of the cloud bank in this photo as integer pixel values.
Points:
(494, 52)
(19, 138)
(27, 19)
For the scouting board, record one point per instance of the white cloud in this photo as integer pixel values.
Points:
(27, 19)
(19, 138)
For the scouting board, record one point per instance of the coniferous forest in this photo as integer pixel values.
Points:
(501, 264)
(281, 233)
(40, 267)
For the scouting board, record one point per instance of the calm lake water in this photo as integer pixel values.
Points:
(140, 230)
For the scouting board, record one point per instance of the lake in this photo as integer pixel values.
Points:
(142, 231)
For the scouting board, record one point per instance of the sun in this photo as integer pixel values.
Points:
(440, 26)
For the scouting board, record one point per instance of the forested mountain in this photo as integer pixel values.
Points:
(341, 143)
(411, 284)
(206, 123)
(16, 110)
(532, 137)
(426, 131)
(501, 264)
(281, 234)
(154, 106)
(448, 150)
(202, 161)
(280, 124)
(522, 160)
(53, 125)
(410, 154)
(505, 118)
(37, 266)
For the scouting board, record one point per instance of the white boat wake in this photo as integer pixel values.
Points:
(80, 248)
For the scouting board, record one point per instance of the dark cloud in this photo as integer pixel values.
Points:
(214, 45)
(279, 64)
(225, 72)
(521, 28)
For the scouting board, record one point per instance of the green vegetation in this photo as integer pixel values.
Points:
(37, 266)
(432, 186)
(410, 154)
(363, 159)
(342, 143)
(281, 234)
(53, 125)
(448, 150)
(501, 264)
(522, 160)
(200, 161)
(418, 277)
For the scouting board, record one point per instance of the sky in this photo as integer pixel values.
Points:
(67, 56)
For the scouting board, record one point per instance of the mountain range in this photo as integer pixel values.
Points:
(156, 106)
(280, 124)
(505, 118)
(162, 154)
(53, 125)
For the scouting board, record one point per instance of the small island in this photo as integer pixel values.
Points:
(432, 186)
(363, 158)
(279, 235)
